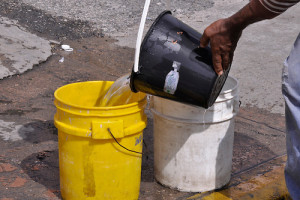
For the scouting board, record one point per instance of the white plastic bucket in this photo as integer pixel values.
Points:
(193, 146)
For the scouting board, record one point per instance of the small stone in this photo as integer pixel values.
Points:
(7, 167)
(18, 182)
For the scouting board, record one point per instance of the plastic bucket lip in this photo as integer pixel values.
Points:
(93, 107)
(222, 92)
(228, 91)
(231, 89)
(189, 121)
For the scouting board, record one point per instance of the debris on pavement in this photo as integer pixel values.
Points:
(66, 47)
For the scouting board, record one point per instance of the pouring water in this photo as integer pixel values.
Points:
(120, 93)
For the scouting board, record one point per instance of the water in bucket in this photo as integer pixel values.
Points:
(120, 93)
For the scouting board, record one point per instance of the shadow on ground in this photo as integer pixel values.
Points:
(43, 167)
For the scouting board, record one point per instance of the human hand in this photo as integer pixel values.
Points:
(223, 38)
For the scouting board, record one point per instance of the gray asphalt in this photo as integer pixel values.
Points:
(116, 16)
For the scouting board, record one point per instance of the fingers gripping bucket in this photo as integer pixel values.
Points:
(92, 165)
(173, 66)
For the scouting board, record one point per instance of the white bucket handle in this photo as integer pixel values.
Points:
(139, 36)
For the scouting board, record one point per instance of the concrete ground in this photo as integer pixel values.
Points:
(102, 35)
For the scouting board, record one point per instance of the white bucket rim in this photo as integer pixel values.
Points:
(229, 90)
(234, 88)
(190, 121)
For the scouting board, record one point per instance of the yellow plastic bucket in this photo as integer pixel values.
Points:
(92, 165)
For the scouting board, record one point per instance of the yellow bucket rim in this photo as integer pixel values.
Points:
(95, 107)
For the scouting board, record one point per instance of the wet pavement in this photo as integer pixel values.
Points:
(28, 138)
(21, 50)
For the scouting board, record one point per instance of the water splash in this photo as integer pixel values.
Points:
(120, 93)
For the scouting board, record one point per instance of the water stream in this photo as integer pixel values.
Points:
(120, 93)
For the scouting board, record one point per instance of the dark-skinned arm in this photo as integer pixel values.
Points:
(223, 35)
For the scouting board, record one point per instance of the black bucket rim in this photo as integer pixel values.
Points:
(215, 93)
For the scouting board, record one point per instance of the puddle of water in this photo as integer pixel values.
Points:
(120, 93)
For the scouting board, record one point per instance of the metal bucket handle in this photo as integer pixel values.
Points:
(125, 147)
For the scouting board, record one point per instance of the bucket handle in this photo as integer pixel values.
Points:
(122, 145)
(236, 104)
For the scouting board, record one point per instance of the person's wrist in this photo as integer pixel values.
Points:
(249, 14)
(242, 19)
(234, 25)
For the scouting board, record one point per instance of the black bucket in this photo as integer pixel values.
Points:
(173, 66)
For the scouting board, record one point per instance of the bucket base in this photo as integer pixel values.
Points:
(195, 162)
(98, 169)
